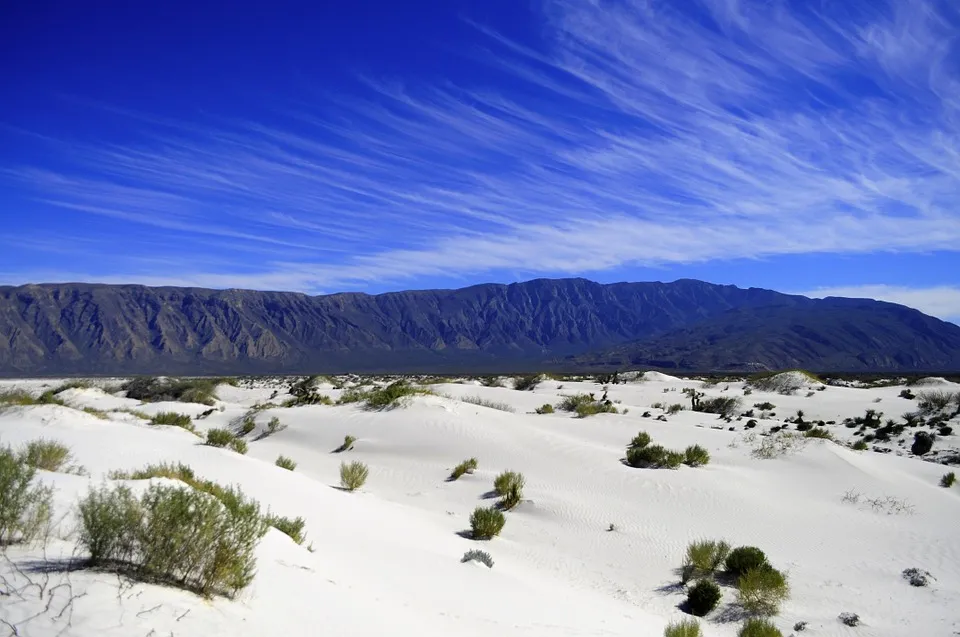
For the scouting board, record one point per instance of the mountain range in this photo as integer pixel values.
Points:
(686, 325)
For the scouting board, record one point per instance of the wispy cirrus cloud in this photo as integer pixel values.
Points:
(942, 301)
(634, 134)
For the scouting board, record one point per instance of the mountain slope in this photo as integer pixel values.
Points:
(108, 329)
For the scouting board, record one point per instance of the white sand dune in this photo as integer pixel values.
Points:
(386, 559)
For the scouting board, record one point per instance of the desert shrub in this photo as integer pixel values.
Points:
(486, 523)
(786, 382)
(765, 406)
(467, 466)
(704, 557)
(490, 404)
(474, 555)
(347, 445)
(683, 628)
(744, 558)
(238, 445)
(945, 430)
(695, 456)
(761, 590)
(175, 535)
(219, 437)
(173, 419)
(17, 397)
(724, 406)
(757, 627)
(860, 445)
(572, 402)
(818, 432)
(544, 409)
(672, 460)
(392, 395)
(247, 426)
(906, 393)
(594, 408)
(47, 455)
(917, 577)
(491, 381)
(96, 413)
(291, 527)
(509, 486)
(948, 480)
(640, 441)
(674, 409)
(702, 597)
(185, 390)
(648, 456)
(922, 443)
(527, 383)
(353, 475)
(931, 401)
(285, 463)
(25, 508)
(775, 446)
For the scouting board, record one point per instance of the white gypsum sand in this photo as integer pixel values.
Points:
(843, 524)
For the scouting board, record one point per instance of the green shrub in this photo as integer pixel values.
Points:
(545, 409)
(922, 443)
(683, 628)
(672, 460)
(474, 555)
(695, 456)
(173, 419)
(818, 432)
(705, 556)
(219, 437)
(654, 457)
(96, 413)
(509, 486)
(391, 395)
(640, 441)
(527, 383)
(594, 408)
(702, 597)
(175, 535)
(860, 445)
(25, 508)
(240, 446)
(743, 558)
(347, 444)
(724, 406)
(248, 425)
(761, 590)
(467, 466)
(675, 408)
(756, 627)
(286, 463)
(353, 475)
(490, 404)
(47, 455)
(184, 390)
(571, 403)
(17, 397)
(948, 480)
(486, 523)
(293, 528)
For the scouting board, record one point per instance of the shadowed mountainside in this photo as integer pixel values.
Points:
(125, 329)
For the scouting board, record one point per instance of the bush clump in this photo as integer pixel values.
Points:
(724, 406)
(353, 475)
(509, 486)
(173, 419)
(473, 555)
(683, 628)
(527, 383)
(219, 437)
(25, 508)
(285, 463)
(240, 446)
(756, 627)
(702, 597)
(922, 443)
(948, 480)
(347, 444)
(818, 432)
(744, 558)
(467, 466)
(695, 456)
(46, 455)
(291, 527)
(392, 395)
(640, 441)
(184, 390)
(704, 557)
(761, 590)
(174, 535)
(486, 523)
(546, 408)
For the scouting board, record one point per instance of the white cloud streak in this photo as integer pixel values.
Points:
(941, 301)
(642, 136)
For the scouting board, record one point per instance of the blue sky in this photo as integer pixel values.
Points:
(803, 146)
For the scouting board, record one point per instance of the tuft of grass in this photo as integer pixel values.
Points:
(744, 558)
(96, 413)
(248, 426)
(134, 412)
(757, 627)
(695, 456)
(285, 463)
(704, 557)
(291, 527)
(490, 404)
(652, 456)
(240, 446)
(818, 432)
(486, 523)
(353, 475)
(71, 384)
(948, 480)
(683, 628)
(761, 590)
(25, 507)
(546, 408)
(527, 383)
(702, 597)
(21, 398)
(219, 437)
(173, 419)
(640, 441)
(467, 466)
(46, 455)
(509, 486)
(347, 444)
(860, 445)
(185, 390)
(393, 395)
(585, 405)
(724, 406)
(474, 555)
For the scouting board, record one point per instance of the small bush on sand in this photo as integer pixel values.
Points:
(922, 443)
(544, 409)
(392, 395)
(490, 404)
(818, 432)
(248, 426)
(653, 457)
(695, 456)
(486, 523)
(17, 397)
(286, 463)
(704, 557)
(174, 535)
(509, 486)
(761, 590)
(47, 455)
(948, 480)
(640, 441)
(702, 597)
(757, 627)
(683, 628)
(172, 419)
(527, 383)
(860, 445)
(347, 444)
(185, 390)
(240, 446)
(25, 508)
(290, 527)
(724, 406)
(474, 555)
(353, 475)
(219, 437)
(467, 466)
(743, 558)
